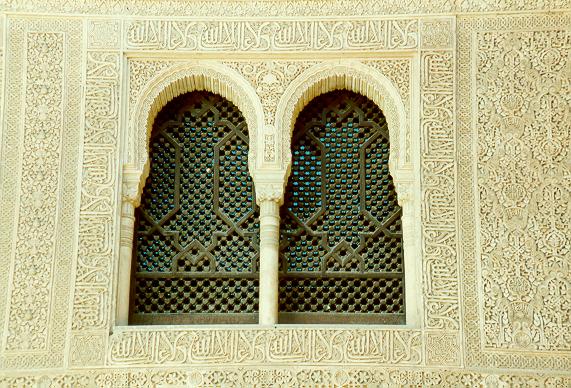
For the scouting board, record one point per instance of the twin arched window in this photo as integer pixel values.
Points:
(196, 253)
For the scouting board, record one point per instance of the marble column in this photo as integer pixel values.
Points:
(130, 199)
(269, 258)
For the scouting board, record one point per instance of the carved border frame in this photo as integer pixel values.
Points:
(88, 343)
(406, 343)
(317, 79)
(429, 76)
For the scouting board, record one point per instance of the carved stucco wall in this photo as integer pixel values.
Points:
(486, 95)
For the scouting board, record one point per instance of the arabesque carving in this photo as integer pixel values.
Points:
(511, 286)
(42, 152)
(480, 107)
(265, 8)
(292, 376)
(270, 79)
(104, 34)
(41, 257)
(524, 170)
(437, 34)
(442, 348)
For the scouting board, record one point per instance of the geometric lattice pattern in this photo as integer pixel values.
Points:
(196, 230)
(341, 232)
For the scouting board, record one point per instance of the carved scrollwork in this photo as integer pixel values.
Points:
(269, 192)
(524, 142)
(519, 64)
(293, 376)
(271, 78)
(494, 176)
(436, 34)
(42, 131)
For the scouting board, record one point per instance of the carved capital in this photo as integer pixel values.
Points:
(404, 192)
(131, 187)
(270, 192)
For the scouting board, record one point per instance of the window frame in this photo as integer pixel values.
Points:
(270, 175)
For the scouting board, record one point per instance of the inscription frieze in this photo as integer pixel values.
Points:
(174, 347)
(307, 35)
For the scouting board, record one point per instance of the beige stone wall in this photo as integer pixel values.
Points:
(477, 95)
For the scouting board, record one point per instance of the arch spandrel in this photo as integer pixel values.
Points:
(212, 77)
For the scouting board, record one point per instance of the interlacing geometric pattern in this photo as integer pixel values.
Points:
(196, 231)
(341, 232)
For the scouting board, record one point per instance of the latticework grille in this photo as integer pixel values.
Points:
(196, 231)
(341, 236)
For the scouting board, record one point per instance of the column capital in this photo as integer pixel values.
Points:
(273, 192)
(404, 191)
(131, 186)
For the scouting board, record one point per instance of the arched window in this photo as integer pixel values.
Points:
(341, 235)
(196, 248)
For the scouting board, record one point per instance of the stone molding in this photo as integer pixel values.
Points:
(281, 8)
(294, 375)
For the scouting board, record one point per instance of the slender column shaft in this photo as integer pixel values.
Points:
(269, 261)
(125, 259)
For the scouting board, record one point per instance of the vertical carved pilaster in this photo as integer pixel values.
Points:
(269, 197)
(130, 199)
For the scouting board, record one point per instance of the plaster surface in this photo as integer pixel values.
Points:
(477, 98)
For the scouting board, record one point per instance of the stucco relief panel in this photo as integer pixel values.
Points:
(268, 78)
(438, 167)
(37, 216)
(516, 81)
(104, 34)
(259, 346)
(92, 303)
(514, 164)
(275, 36)
(47, 122)
(524, 181)
(291, 376)
(297, 8)
(207, 8)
